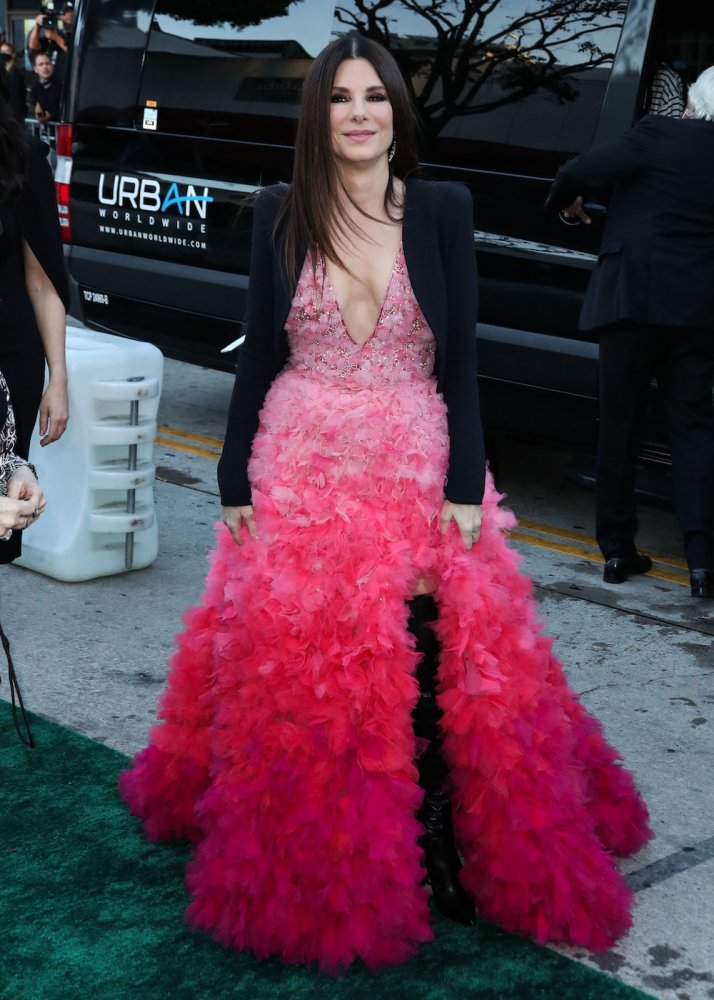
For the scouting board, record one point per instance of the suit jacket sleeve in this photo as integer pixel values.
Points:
(467, 461)
(614, 160)
(258, 363)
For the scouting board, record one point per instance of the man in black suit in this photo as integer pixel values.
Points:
(651, 299)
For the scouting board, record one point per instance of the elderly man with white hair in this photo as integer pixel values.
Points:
(651, 301)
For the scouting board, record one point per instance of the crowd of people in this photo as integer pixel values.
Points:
(364, 695)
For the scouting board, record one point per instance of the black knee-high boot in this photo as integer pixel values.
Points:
(441, 858)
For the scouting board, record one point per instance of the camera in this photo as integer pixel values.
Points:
(50, 14)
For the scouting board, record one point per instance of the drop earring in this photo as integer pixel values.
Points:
(392, 151)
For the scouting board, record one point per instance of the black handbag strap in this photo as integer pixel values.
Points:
(27, 738)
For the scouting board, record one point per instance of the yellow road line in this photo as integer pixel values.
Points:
(548, 529)
(173, 432)
(548, 543)
(190, 449)
(591, 556)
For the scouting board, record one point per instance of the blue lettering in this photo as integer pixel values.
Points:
(173, 197)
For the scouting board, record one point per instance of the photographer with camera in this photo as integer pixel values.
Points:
(52, 34)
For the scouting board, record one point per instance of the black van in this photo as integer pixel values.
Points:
(175, 109)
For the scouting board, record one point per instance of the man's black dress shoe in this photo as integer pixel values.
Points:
(618, 568)
(702, 582)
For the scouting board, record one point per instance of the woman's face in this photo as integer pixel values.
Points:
(360, 114)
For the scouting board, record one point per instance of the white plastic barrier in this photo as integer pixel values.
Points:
(98, 478)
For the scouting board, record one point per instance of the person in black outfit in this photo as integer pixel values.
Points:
(46, 91)
(17, 89)
(651, 298)
(33, 290)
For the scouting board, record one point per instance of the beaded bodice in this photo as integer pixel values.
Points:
(400, 349)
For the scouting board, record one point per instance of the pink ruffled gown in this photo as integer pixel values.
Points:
(285, 750)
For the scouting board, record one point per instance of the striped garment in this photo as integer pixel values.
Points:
(666, 93)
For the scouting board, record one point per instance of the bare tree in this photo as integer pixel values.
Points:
(471, 43)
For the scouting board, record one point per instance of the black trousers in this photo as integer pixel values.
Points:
(682, 361)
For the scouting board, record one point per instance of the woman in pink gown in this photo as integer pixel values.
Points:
(323, 727)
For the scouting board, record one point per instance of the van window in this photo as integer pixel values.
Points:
(114, 37)
(209, 65)
(517, 73)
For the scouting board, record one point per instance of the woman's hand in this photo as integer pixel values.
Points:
(23, 485)
(15, 515)
(467, 517)
(54, 411)
(234, 517)
(23, 504)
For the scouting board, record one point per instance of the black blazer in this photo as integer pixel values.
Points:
(437, 237)
(656, 262)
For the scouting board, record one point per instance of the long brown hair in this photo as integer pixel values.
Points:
(13, 145)
(311, 215)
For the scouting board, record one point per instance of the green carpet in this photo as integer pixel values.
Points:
(89, 909)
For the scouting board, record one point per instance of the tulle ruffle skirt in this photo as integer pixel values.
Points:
(285, 750)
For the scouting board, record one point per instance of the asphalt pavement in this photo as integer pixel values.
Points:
(92, 656)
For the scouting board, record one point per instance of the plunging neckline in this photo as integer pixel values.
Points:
(364, 343)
